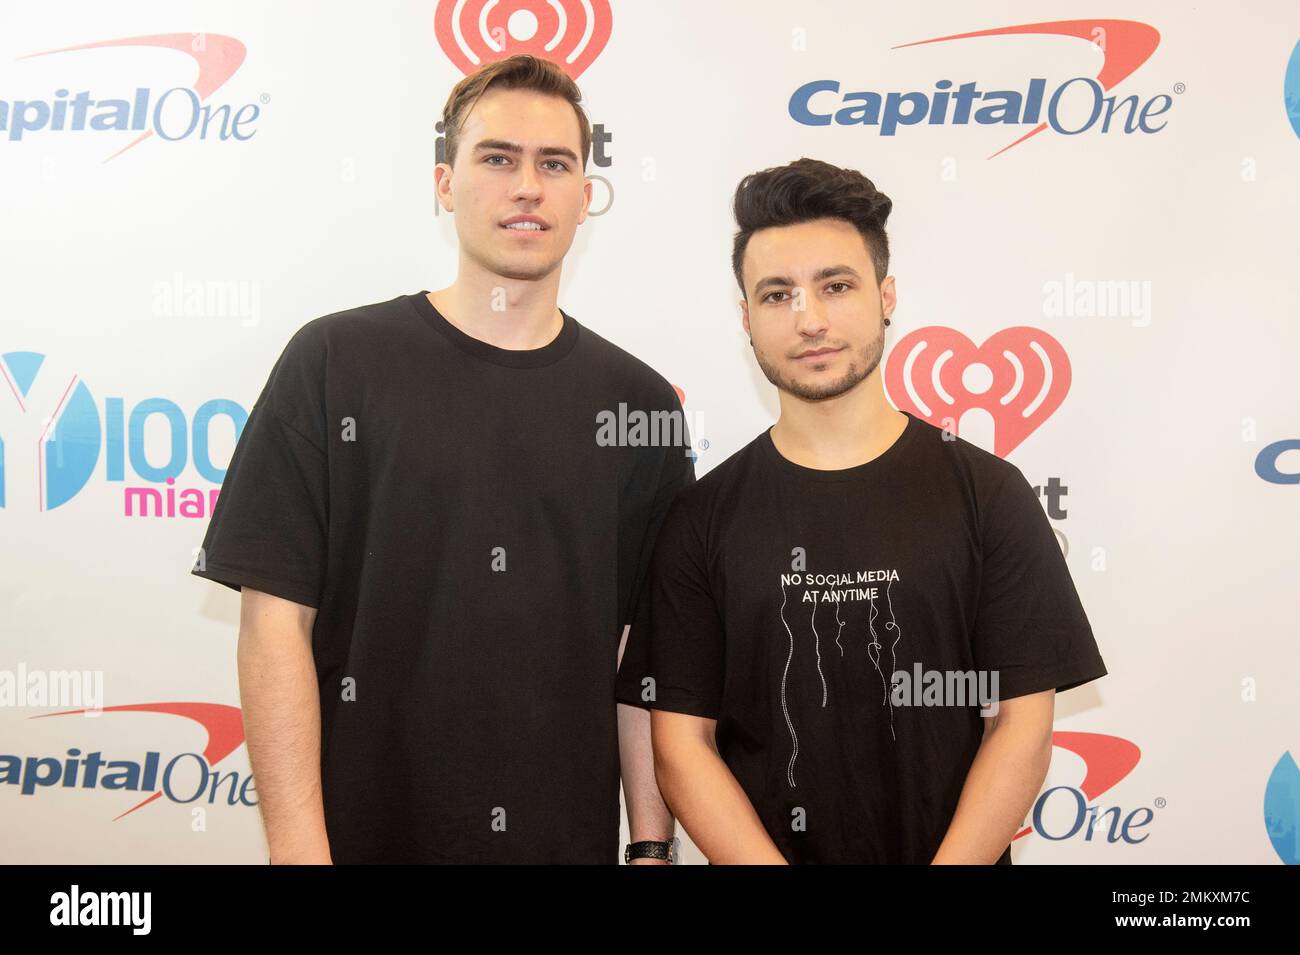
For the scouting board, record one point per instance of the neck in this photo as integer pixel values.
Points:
(518, 314)
(840, 432)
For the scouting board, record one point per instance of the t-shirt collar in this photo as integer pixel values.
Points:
(869, 469)
(548, 354)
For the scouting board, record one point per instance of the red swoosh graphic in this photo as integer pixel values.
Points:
(217, 63)
(1129, 44)
(224, 726)
(1108, 760)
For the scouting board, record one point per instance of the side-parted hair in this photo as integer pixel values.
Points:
(522, 71)
(809, 189)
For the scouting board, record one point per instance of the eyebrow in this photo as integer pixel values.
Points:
(505, 146)
(821, 275)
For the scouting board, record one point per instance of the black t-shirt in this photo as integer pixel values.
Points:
(783, 599)
(474, 547)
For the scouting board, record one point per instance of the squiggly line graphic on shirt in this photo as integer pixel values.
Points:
(893, 657)
(873, 648)
(817, 642)
(789, 770)
(841, 628)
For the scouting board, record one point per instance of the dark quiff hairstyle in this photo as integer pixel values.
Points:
(809, 189)
(523, 71)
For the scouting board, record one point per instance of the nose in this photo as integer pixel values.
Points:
(527, 185)
(811, 321)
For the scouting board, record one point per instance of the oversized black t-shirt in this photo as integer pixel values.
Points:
(783, 600)
(474, 544)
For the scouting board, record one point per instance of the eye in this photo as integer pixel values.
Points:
(488, 159)
(560, 165)
(844, 286)
(770, 297)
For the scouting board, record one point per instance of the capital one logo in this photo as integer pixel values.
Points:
(52, 433)
(181, 112)
(1077, 105)
(1019, 376)
(1067, 812)
(570, 33)
(186, 778)
(1268, 463)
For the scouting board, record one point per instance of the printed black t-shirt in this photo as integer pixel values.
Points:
(474, 549)
(783, 600)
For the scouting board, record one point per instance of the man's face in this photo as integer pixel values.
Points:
(813, 309)
(517, 189)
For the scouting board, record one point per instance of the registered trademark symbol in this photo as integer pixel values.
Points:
(704, 444)
(1160, 802)
(265, 98)
(1179, 87)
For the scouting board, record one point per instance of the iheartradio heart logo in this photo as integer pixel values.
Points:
(1019, 376)
(570, 33)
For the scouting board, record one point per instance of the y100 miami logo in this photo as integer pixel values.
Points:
(184, 778)
(52, 433)
(1071, 812)
(1077, 105)
(180, 112)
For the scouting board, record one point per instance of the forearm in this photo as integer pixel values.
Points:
(1000, 786)
(281, 712)
(711, 804)
(648, 817)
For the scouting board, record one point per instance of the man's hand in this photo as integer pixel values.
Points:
(704, 794)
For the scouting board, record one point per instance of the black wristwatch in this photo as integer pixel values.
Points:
(667, 851)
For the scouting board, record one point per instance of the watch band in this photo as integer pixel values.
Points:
(650, 849)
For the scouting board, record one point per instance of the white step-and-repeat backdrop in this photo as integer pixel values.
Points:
(1110, 204)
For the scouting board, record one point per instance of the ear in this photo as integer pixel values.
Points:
(442, 186)
(744, 317)
(888, 297)
(586, 201)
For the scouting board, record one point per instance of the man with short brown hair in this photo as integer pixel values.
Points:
(437, 555)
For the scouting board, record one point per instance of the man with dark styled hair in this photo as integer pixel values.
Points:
(802, 588)
(437, 556)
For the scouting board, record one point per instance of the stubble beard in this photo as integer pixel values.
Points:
(859, 370)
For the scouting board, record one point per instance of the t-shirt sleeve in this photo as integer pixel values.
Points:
(672, 466)
(1030, 625)
(675, 651)
(268, 530)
